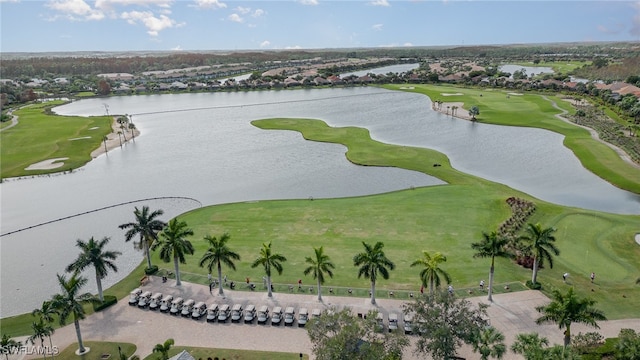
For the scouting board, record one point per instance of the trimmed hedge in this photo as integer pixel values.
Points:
(108, 301)
(151, 270)
(536, 286)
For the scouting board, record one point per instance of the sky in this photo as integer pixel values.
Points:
(183, 25)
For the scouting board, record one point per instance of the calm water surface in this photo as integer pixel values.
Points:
(202, 146)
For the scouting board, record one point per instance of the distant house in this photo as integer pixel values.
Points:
(117, 76)
(319, 80)
(179, 85)
(184, 355)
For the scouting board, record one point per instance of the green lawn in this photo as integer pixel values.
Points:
(40, 136)
(229, 354)
(445, 218)
(97, 350)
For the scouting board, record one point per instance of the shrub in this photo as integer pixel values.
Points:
(536, 286)
(583, 343)
(108, 301)
(151, 270)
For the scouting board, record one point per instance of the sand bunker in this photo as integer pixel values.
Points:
(47, 164)
(95, 127)
(638, 238)
(515, 94)
(80, 138)
(407, 87)
(451, 94)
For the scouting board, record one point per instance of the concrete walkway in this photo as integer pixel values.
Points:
(511, 313)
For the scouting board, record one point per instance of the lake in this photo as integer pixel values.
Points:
(202, 146)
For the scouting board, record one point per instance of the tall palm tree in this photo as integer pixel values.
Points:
(70, 302)
(318, 266)
(174, 245)
(373, 261)
(489, 342)
(269, 260)
(492, 245)
(164, 348)
(7, 343)
(541, 244)
(565, 309)
(47, 314)
(531, 346)
(40, 330)
(147, 226)
(93, 254)
(132, 128)
(217, 254)
(431, 272)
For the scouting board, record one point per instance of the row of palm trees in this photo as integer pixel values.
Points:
(171, 238)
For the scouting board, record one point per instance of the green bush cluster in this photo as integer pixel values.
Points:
(536, 286)
(108, 301)
(151, 270)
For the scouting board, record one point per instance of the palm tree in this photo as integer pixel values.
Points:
(373, 261)
(473, 112)
(93, 254)
(540, 243)
(531, 346)
(318, 266)
(163, 349)
(217, 254)
(269, 260)
(70, 302)
(132, 128)
(173, 244)
(7, 344)
(40, 331)
(565, 309)
(430, 274)
(146, 226)
(489, 342)
(492, 245)
(47, 314)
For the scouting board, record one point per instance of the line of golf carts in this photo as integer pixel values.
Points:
(220, 312)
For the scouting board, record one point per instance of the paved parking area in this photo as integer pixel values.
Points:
(510, 313)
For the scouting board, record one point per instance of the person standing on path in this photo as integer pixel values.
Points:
(565, 276)
(593, 277)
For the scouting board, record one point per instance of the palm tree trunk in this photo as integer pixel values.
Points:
(319, 290)
(99, 284)
(147, 252)
(220, 290)
(175, 263)
(431, 286)
(567, 336)
(373, 292)
(534, 276)
(491, 279)
(269, 294)
(81, 348)
(44, 351)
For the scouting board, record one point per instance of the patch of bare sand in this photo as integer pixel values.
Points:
(113, 141)
(47, 164)
(451, 94)
(447, 109)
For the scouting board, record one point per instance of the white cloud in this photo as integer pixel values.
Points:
(153, 24)
(210, 4)
(380, 3)
(76, 9)
(377, 27)
(258, 13)
(407, 44)
(235, 18)
(243, 10)
(265, 44)
(177, 48)
(294, 47)
(309, 2)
